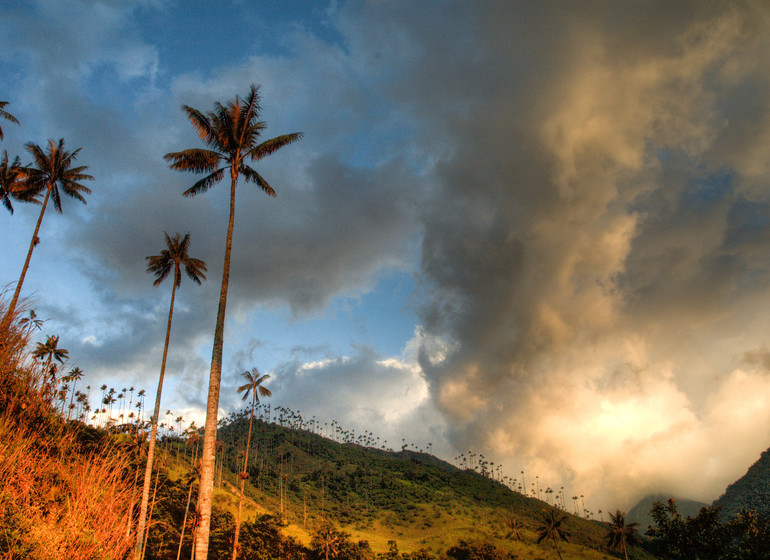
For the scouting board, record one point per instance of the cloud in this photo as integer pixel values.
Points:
(583, 234)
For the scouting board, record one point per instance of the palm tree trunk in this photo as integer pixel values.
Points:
(556, 544)
(15, 299)
(154, 432)
(149, 516)
(184, 522)
(206, 489)
(243, 479)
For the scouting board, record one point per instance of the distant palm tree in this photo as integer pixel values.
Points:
(620, 533)
(74, 375)
(6, 115)
(50, 352)
(171, 259)
(552, 529)
(53, 171)
(254, 386)
(232, 132)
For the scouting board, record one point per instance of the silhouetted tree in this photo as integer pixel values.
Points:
(232, 132)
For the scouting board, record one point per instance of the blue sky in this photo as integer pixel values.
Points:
(534, 230)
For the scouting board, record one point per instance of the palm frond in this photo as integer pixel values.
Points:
(7, 116)
(200, 123)
(206, 183)
(195, 269)
(195, 160)
(252, 176)
(271, 146)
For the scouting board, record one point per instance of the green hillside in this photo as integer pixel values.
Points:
(751, 491)
(412, 498)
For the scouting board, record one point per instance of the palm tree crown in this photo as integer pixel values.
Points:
(552, 529)
(620, 533)
(53, 171)
(232, 133)
(173, 257)
(50, 352)
(6, 115)
(254, 383)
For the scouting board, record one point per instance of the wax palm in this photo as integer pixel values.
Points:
(52, 172)
(74, 375)
(172, 259)
(232, 133)
(6, 115)
(50, 352)
(552, 529)
(12, 176)
(620, 533)
(254, 387)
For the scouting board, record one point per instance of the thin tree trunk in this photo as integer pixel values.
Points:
(243, 478)
(17, 291)
(184, 522)
(149, 516)
(154, 431)
(206, 489)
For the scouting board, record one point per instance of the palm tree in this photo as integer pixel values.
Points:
(74, 375)
(551, 529)
(515, 528)
(12, 176)
(232, 132)
(620, 533)
(173, 258)
(50, 352)
(6, 115)
(254, 386)
(53, 171)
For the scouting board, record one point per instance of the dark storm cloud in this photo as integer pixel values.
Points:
(592, 239)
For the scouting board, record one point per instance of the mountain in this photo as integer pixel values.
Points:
(408, 499)
(640, 513)
(751, 491)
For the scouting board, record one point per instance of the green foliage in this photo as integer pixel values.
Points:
(262, 539)
(705, 536)
(475, 550)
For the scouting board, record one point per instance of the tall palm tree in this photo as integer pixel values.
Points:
(6, 115)
(171, 259)
(232, 133)
(254, 386)
(53, 171)
(621, 534)
(551, 529)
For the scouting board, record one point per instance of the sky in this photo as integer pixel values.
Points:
(534, 230)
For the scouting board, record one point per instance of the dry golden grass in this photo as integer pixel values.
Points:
(56, 500)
